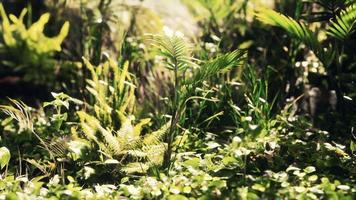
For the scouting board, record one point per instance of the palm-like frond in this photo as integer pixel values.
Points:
(344, 24)
(218, 65)
(298, 30)
(174, 48)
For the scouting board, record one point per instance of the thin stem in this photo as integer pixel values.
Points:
(171, 134)
(20, 161)
(6, 168)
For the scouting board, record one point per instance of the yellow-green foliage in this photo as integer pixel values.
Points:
(126, 146)
(27, 49)
(15, 33)
(111, 89)
(110, 123)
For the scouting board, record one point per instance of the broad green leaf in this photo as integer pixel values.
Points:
(309, 169)
(4, 157)
(258, 187)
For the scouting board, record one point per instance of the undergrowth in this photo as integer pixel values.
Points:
(259, 104)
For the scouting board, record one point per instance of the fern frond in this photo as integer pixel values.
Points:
(126, 131)
(135, 167)
(111, 140)
(90, 125)
(155, 153)
(111, 88)
(137, 153)
(156, 136)
(138, 127)
(344, 24)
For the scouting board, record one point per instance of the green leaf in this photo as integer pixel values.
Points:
(177, 197)
(4, 157)
(11, 196)
(309, 169)
(229, 160)
(258, 187)
(353, 146)
(313, 178)
(344, 24)
(194, 162)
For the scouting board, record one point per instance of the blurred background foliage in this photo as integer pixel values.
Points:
(178, 99)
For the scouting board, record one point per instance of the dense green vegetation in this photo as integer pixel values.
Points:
(178, 99)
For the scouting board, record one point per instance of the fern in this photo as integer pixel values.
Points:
(126, 142)
(111, 89)
(110, 123)
(155, 137)
(135, 167)
(90, 125)
(344, 24)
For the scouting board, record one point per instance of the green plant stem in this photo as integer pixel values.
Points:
(172, 131)
(6, 168)
(29, 10)
(338, 71)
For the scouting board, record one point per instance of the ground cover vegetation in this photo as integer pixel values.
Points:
(178, 99)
